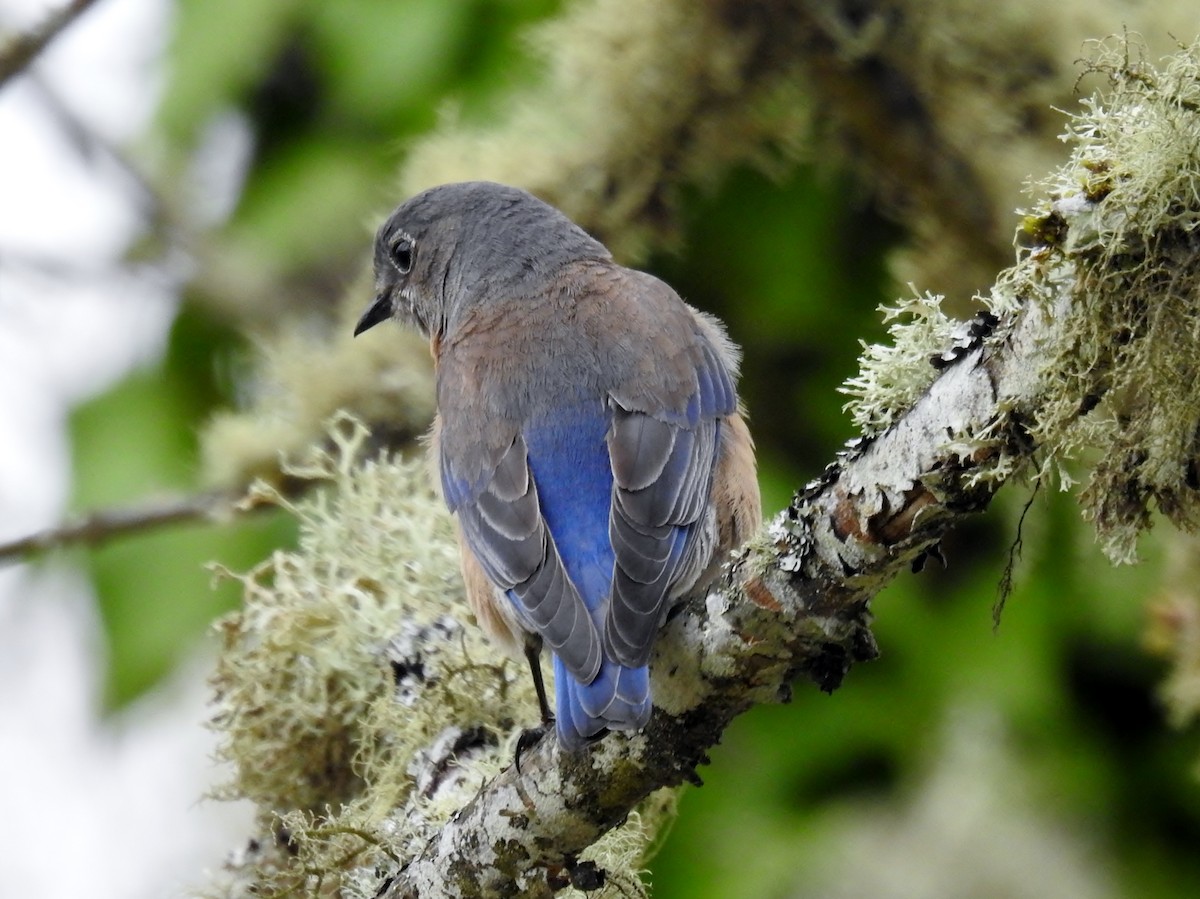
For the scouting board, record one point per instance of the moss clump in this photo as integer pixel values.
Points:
(305, 661)
(892, 376)
(636, 99)
(303, 378)
(1126, 373)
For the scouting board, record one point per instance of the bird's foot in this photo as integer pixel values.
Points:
(530, 737)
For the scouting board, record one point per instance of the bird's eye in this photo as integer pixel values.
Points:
(402, 253)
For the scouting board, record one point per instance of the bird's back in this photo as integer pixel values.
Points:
(556, 369)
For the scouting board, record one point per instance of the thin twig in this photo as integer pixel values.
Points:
(1005, 588)
(21, 50)
(103, 525)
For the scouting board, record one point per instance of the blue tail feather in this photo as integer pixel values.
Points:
(569, 459)
(618, 698)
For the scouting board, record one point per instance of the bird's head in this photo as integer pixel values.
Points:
(460, 245)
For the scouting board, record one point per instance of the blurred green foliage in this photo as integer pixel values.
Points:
(332, 91)
(138, 441)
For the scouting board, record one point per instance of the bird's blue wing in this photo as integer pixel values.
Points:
(503, 524)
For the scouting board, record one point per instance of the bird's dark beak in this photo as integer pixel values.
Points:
(379, 310)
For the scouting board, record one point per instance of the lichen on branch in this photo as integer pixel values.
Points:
(1117, 229)
(1127, 365)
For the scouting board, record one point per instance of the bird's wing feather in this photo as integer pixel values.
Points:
(502, 522)
(659, 526)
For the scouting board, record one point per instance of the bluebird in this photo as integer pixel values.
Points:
(588, 437)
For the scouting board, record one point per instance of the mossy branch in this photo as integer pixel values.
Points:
(1089, 345)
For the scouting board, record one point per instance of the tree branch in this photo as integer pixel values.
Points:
(21, 50)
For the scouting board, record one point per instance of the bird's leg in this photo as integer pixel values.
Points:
(533, 655)
(530, 736)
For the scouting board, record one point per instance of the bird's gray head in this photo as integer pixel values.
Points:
(461, 245)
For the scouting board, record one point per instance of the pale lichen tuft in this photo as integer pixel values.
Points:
(304, 376)
(892, 376)
(1123, 218)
